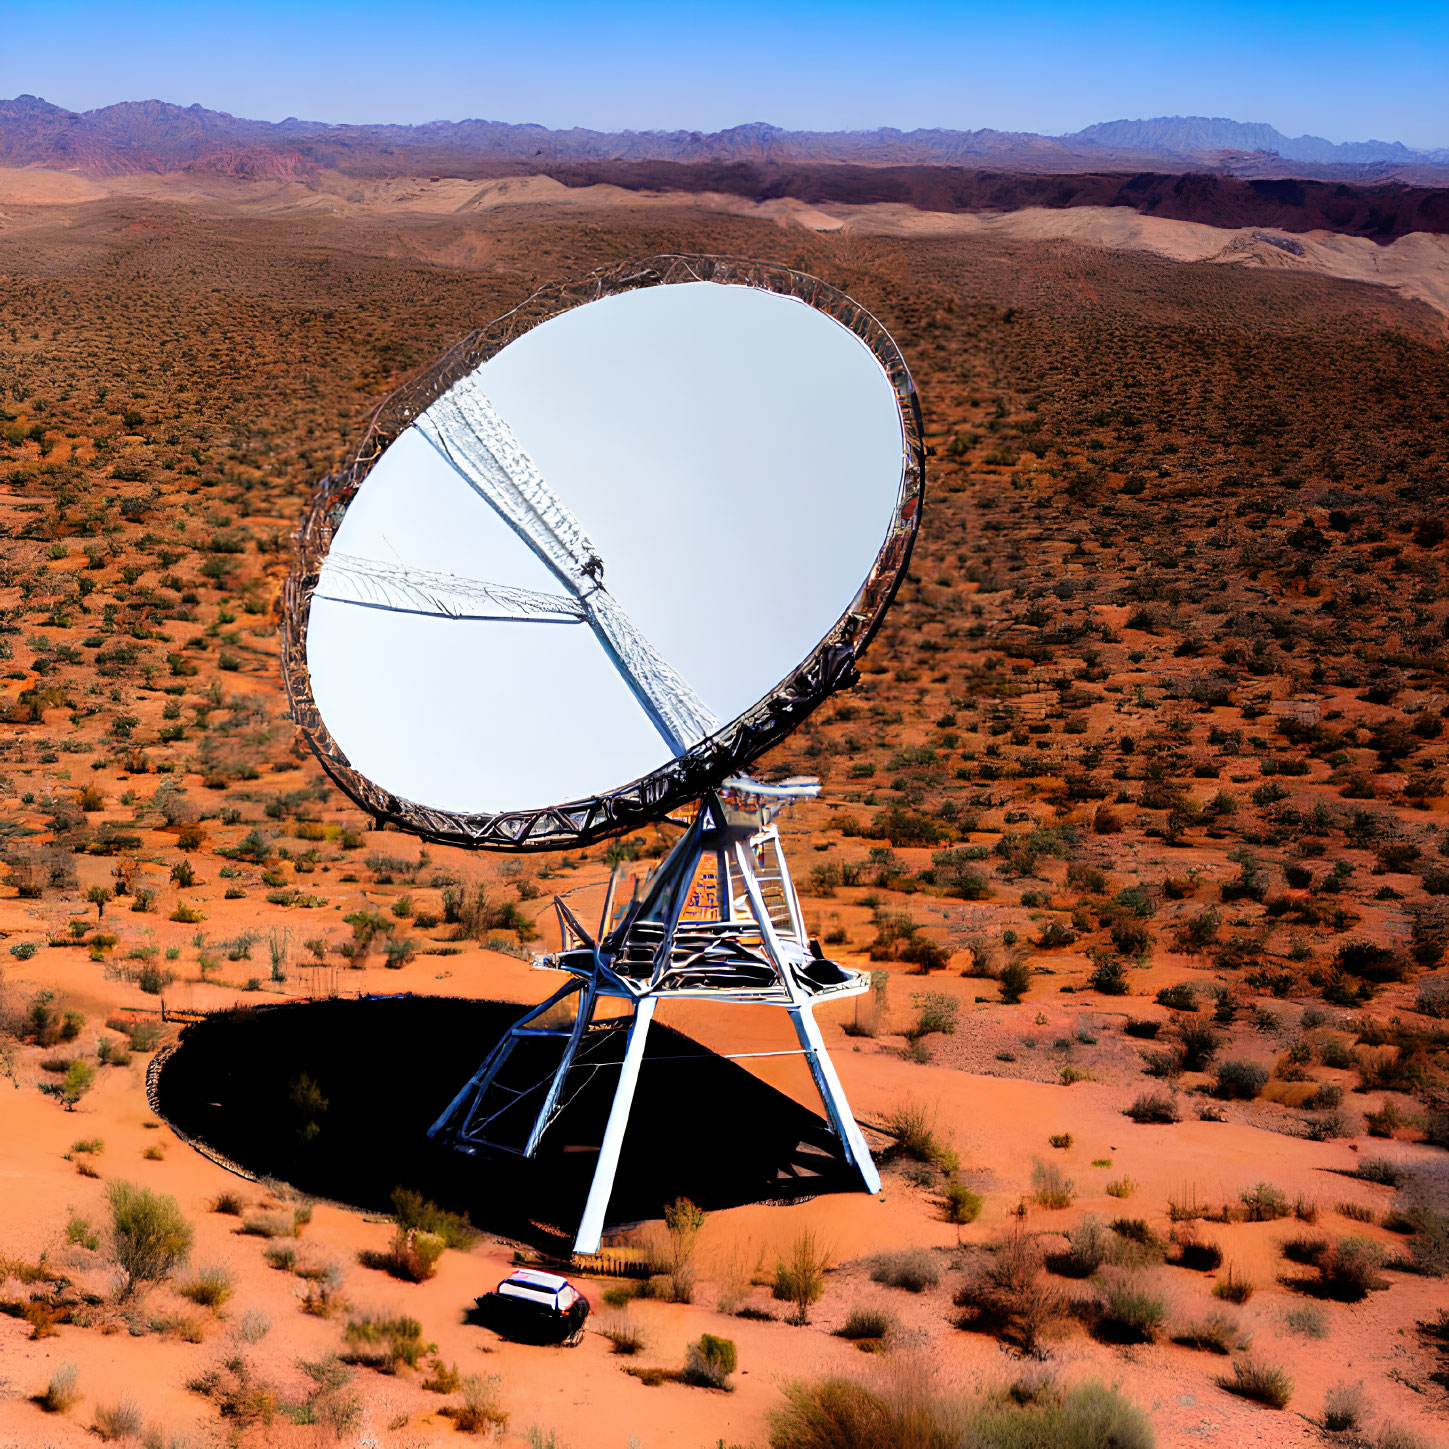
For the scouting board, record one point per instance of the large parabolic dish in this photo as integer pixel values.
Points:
(605, 552)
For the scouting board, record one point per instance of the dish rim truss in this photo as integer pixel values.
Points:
(729, 750)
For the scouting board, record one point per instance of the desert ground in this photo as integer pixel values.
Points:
(1138, 813)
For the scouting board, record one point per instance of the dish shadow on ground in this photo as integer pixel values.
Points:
(702, 1126)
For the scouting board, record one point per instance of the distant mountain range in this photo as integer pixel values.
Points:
(156, 136)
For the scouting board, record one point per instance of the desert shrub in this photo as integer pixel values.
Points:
(622, 1330)
(383, 1342)
(1240, 1080)
(960, 1205)
(1154, 1107)
(1263, 1203)
(1138, 1232)
(149, 1234)
(481, 1412)
(1349, 1270)
(1216, 1333)
(1304, 1248)
(801, 1280)
(1384, 1122)
(323, 1297)
(683, 1222)
(61, 1394)
(1233, 1287)
(1382, 1170)
(1014, 980)
(268, 1225)
(936, 1012)
(412, 1256)
(121, 1420)
(914, 1269)
(839, 1413)
(1121, 1187)
(282, 1256)
(1397, 1436)
(1130, 1312)
(913, 1124)
(1050, 1187)
(443, 1379)
(1142, 1028)
(228, 1202)
(252, 1327)
(1343, 1407)
(211, 1287)
(1179, 997)
(78, 1233)
(238, 1395)
(709, 1363)
(1428, 1248)
(1309, 1322)
(867, 1323)
(1264, 1383)
(1007, 1292)
(1089, 1245)
(1329, 1126)
(1198, 1043)
(1109, 977)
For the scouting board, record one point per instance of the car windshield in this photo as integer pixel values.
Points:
(524, 1290)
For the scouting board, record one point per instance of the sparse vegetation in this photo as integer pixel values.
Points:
(1264, 1383)
(914, 1269)
(150, 1236)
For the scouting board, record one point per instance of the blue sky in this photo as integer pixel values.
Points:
(1348, 72)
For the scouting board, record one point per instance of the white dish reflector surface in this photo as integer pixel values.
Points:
(736, 458)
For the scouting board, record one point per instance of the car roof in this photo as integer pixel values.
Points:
(531, 1278)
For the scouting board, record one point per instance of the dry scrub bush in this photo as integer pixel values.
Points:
(211, 1287)
(1233, 1287)
(412, 1255)
(1348, 1270)
(252, 1327)
(149, 1235)
(1216, 1333)
(480, 1412)
(622, 1330)
(801, 1280)
(1343, 1407)
(1263, 1203)
(914, 1269)
(913, 1125)
(61, 1394)
(121, 1420)
(1267, 1384)
(1129, 1312)
(683, 1223)
(841, 1413)
(867, 1322)
(1192, 1251)
(1051, 1188)
(1154, 1107)
(1089, 1245)
(413, 1210)
(959, 1205)
(1007, 1292)
(709, 1363)
(385, 1341)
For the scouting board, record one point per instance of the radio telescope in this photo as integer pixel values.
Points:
(603, 555)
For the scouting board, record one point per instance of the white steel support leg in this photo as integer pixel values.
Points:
(832, 1094)
(591, 1228)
